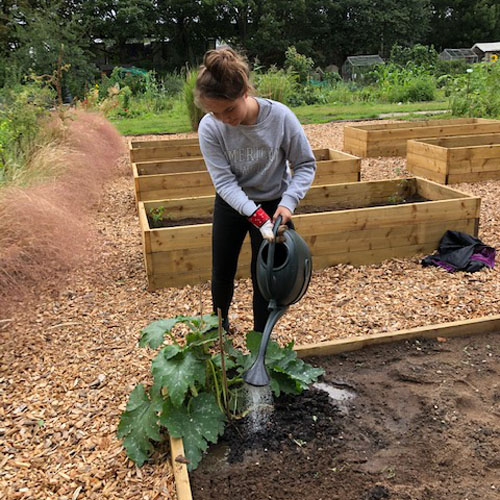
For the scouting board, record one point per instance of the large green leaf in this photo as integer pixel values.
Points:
(139, 425)
(154, 334)
(177, 373)
(202, 423)
(288, 373)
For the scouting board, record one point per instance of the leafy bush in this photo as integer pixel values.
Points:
(418, 55)
(299, 64)
(194, 112)
(22, 111)
(192, 396)
(411, 83)
(276, 84)
(477, 92)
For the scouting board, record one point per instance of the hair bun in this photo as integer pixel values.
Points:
(220, 62)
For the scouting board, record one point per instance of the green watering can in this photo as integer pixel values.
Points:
(283, 274)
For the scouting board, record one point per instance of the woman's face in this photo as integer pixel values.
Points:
(233, 112)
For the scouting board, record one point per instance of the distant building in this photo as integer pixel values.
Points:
(467, 55)
(486, 52)
(356, 67)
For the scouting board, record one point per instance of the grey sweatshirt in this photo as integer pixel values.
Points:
(248, 163)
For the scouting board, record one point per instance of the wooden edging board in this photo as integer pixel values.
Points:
(476, 326)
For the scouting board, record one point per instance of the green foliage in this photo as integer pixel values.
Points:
(405, 84)
(477, 92)
(22, 111)
(46, 40)
(299, 64)
(194, 112)
(189, 397)
(139, 424)
(276, 84)
(418, 55)
(197, 425)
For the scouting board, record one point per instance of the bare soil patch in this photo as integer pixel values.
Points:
(421, 422)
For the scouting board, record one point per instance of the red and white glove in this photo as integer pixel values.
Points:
(262, 221)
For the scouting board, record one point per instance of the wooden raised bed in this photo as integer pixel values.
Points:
(478, 326)
(455, 159)
(163, 149)
(188, 176)
(346, 228)
(389, 139)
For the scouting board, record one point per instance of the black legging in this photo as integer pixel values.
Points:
(229, 231)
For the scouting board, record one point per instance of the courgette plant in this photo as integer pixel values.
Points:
(198, 386)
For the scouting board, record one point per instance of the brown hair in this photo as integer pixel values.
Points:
(224, 75)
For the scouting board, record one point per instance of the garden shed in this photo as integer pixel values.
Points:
(356, 67)
(467, 55)
(487, 51)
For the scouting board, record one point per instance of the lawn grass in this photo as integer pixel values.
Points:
(151, 123)
(322, 113)
(176, 120)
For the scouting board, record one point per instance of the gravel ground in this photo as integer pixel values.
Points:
(70, 356)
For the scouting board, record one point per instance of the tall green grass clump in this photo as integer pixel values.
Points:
(410, 83)
(23, 111)
(194, 112)
(477, 92)
(276, 84)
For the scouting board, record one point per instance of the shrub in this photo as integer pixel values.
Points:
(276, 84)
(198, 386)
(477, 92)
(23, 109)
(299, 64)
(194, 112)
(418, 55)
(411, 83)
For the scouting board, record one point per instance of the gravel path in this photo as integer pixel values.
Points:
(70, 357)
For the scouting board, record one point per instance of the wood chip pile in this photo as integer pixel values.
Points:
(70, 357)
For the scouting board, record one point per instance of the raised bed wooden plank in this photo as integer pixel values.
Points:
(476, 326)
(159, 143)
(173, 166)
(456, 159)
(176, 256)
(383, 139)
(164, 152)
(163, 180)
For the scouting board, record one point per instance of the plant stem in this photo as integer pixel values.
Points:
(223, 365)
(217, 391)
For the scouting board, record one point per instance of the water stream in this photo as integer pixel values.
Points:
(260, 406)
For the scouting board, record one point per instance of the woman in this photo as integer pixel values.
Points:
(247, 143)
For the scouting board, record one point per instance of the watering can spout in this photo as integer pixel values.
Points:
(257, 374)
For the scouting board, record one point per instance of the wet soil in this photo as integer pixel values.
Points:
(414, 420)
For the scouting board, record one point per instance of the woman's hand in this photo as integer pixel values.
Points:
(286, 215)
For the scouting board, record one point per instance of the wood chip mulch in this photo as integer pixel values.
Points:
(70, 357)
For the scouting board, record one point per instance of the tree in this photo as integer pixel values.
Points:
(47, 38)
(461, 23)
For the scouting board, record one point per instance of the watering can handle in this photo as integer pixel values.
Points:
(270, 254)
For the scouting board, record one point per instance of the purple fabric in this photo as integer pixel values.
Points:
(444, 265)
(486, 255)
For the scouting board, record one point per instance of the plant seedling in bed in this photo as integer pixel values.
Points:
(192, 397)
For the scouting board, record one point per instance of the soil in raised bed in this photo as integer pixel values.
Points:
(414, 420)
(305, 209)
